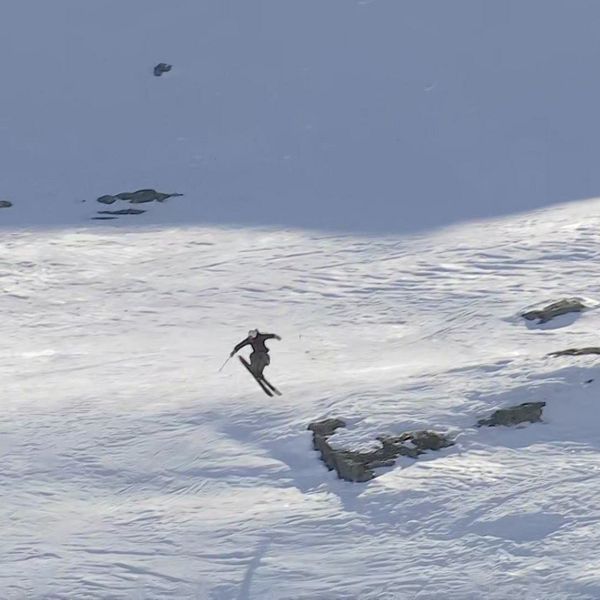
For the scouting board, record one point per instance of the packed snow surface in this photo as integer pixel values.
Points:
(132, 468)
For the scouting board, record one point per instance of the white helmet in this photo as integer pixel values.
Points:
(253, 333)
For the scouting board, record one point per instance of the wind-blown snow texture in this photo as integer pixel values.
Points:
(131, 468)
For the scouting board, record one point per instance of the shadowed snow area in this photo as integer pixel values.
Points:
(354, 116)
(131, 468)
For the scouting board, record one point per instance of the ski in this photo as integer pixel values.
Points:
(265, 389)
(271, 386)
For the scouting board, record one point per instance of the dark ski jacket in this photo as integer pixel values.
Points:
(257, 343)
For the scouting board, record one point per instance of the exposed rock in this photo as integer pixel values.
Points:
(123, 211)
(577, 351)
(562, 307)
(5, 204)
(528, 412)
(107, 199)
(358, 466)
(416, 442)
(325, 427)
(161, 68)
(141, 196)
(137, 197)
(103, 218)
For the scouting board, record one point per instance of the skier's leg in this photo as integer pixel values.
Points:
(258, 362)
(265, 361)
(254, 363)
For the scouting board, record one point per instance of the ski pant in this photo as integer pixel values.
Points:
(258, 361)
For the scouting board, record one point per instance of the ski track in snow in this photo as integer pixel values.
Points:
(133, 469)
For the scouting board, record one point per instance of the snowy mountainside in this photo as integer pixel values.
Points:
(132, 468)
(376, 181)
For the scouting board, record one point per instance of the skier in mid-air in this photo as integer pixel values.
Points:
(259, 358)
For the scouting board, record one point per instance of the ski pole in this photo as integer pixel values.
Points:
(228, 359)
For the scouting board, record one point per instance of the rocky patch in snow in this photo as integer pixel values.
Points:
(137, 197)
(107, 199)
(141, 196)
(5, 204)
(577, 351)
(358, 466)
(556, 309)
(123, 211)
(528, 412)
(161, 68)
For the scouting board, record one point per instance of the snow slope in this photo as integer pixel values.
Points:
(320, 147)
(132, 469)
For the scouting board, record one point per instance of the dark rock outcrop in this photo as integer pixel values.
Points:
(577, 351)
(326, 427)
(358, 466)
(528, 412)
(414, 443)
(141, 196)
(5, 204)
(562, 307)
(137, 197)
(161, 68)
(123, 211)
(107, 199)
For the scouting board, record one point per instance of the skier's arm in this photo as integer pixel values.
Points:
(240, 346)
(272, 336)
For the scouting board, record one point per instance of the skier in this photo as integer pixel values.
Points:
(259, 358)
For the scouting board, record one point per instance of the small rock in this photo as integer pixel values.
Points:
(5, 204)
(148, 195)
(103, 218)
(576, 351)
(562, 307)
(161, 68)
(107, 199)
(137, 197)
(326, 427)
(528, 412)
(123, 211)
(417, 442)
